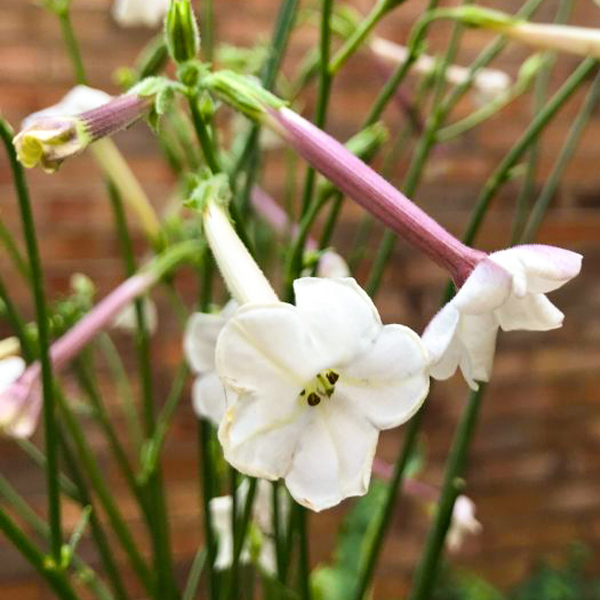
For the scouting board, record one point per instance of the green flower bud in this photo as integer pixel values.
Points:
(181, 31)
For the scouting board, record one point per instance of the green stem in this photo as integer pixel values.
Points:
(159, 529)
(50, 572)
(207, 28)
(277, 532)
(502, 172)
(568, 148)
(303, 556)
(70, 40)
(35, 267)
(191, 586)
(453, 485)
(203, 136)
(105, 497)
(13, 251)
(380, 9)
(16, 322)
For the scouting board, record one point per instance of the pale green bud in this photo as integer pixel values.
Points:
(181, 31)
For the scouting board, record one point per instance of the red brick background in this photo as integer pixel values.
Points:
(535, 461)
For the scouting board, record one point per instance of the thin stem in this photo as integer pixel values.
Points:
(191, 586)
(207, 27)
(568, 149)
(303, 556)
(203, 136)
(13, 251)
(453, 485)
(70, 40)
(502, 172)
(395, 485)
(277, 529)
(50, 572)
(325, 80)
(50, 432)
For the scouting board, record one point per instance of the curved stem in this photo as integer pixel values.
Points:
(50, 431)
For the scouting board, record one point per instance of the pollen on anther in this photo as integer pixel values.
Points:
(313, 399)
(332, 377)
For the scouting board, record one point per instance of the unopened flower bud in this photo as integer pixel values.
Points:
(50, 139)
(181, 31)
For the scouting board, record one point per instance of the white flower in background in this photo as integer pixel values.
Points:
(132, 13)
(78, 100)
(199, 343)
(262, 521)
(331, 264)
(309, 387)
(19, 414)
(507, 290)
(463, 523)
(126, 320)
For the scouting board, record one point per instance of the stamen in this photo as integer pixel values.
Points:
(332, 377)
(313, 399)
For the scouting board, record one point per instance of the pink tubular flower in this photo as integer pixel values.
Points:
(375, 194)
(20, 397)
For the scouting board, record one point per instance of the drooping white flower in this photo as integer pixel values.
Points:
(507, 290)
(126, 320)
(463, 523)
(262, 521)
(309, 387)
(133, 13)
(199, 343)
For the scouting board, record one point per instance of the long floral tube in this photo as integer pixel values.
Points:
(375, 194)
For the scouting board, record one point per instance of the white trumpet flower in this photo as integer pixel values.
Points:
(133, 13)
(508, 290)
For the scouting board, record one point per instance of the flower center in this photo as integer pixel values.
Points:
(320, 388)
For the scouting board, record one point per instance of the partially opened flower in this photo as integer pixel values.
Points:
(199, 343)
(463, 524)
(507, 290)
(132, 13)
(310, 387)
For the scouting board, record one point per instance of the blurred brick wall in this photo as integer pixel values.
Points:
(535, 462)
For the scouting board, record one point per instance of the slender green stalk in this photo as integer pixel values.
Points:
(119, 375)
(13, 251)
(235, 533)
(371, 554)
(453, 485)
(568, 149)
(16, 322)
(207, 28)
(203, 136)
(191, 586)
(502, 172)
(105, 497)
(159, 528)
(54, 576)
(381, 8)
(303, 555)
(277, 530)
(70, 40)
(325, 81)
(208, 492)
(35, 267)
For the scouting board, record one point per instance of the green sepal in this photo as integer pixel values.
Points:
(181, 31)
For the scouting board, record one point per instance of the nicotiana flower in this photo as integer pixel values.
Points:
(61, 131)
(17, 419)
(488, 84)
(463, 524)
(308, 386)
(132, 13)
(507, 290)
(261, 535)
(84, 100)
(199, 343)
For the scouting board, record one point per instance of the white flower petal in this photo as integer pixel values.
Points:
(546, 267)
(534, 312)
(389, 382)
(11, 369)
(340, 315)
(200, 340)
(486, 288)
(131, 13)
(78, 100)
(334, 457)
(477, 337)
(208, 398)
(259, 437)
(437, 338)
(331, 264)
